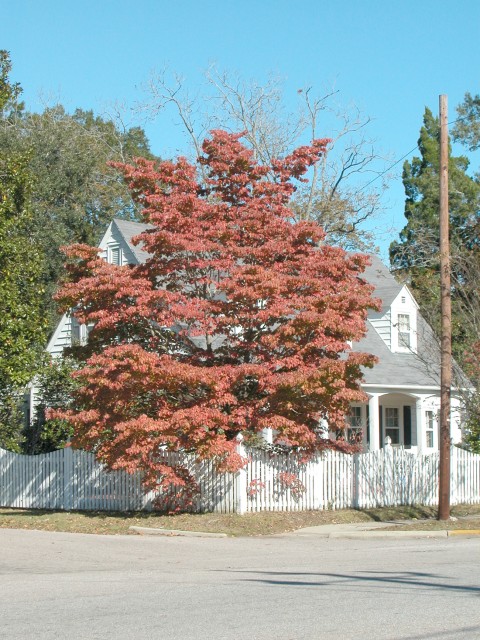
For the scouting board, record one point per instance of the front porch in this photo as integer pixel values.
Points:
(409, 420)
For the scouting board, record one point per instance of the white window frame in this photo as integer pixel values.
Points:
(404, 331)
(393, 427)
(75, 332)
(79, 332)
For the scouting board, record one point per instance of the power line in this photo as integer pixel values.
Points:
(402, 158)
(388, 168)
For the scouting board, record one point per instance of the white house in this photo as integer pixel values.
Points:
(403, 388)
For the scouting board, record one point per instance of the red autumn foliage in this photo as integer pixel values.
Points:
(239, 320)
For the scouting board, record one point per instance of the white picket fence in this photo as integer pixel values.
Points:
(69, 479)
(73, 480)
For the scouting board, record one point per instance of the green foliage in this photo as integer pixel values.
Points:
(76, 193)
(12, 419)
(472, 428)
(54, 385)
(22, 327)
(22, 321)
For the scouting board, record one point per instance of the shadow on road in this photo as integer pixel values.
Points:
(406, 578)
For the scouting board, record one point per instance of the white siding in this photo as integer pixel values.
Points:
(404, 305)
(61, 338)
(383, 326)
(113, 238)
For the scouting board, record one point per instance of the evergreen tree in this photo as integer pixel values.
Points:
(76, 193)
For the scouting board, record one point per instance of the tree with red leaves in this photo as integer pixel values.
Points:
(239, 320)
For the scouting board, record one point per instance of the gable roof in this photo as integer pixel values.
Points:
(128, 230)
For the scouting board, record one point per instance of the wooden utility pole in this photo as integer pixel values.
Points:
(446, 311)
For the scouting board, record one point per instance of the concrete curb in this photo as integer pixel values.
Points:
(360, 530)
(149, 531)
(345, 535)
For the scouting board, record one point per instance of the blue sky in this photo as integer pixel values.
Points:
(391, 59)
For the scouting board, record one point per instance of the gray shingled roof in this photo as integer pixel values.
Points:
(129, 230)
(386, 287)
(399, 369)
(403, 369)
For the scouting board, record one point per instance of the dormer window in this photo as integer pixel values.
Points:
(404, 331)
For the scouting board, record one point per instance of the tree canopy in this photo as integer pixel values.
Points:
(75, 193)
(56, 187)
(239, 320)
(22, 324)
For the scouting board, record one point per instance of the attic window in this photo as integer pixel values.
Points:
(114, 255)
(404, 299)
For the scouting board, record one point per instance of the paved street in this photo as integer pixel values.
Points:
(56, 585)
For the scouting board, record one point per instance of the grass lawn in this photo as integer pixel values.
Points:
(252, 524)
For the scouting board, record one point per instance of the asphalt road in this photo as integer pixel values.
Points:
(72, 586)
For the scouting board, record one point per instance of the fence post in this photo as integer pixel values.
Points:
(356, 481)
(241, 479)
(388, 473)
(454, 475)
(67, 478)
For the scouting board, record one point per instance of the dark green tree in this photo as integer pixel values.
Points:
(22, 323)
(57, 187)
(54, 386)
(416, 255)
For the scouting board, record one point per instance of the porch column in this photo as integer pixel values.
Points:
(420, 420)
(374, 422)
